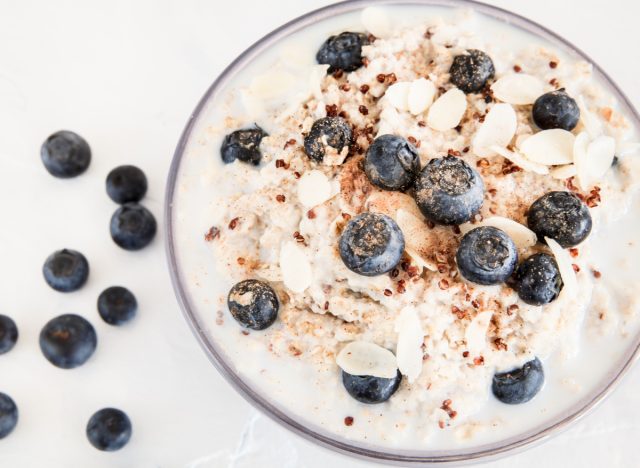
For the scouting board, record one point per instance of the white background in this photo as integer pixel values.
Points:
(125, 75)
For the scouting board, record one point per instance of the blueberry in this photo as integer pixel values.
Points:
(8, 334)
(117, 305)
(392, 163)
(369, 389)
(254, 304)
(537, 279)
(342, 52)
(65, 154)
(556, 109)
(519, 385)
(109, 429)
(371, 244)
(471, 71)
(8, 415)
(133, 226)
(562, 216)
(243, 145)
(327, 131)
(68, 341)
(486, 255)
(126, 184)
(66, 270)
(449, 191)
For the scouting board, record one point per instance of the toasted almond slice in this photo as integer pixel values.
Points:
(398, 94)
(445, 113)
(580, 160)
(625, 148)
(376, 21)
(414, 231)
(313, 188)
(364, 358)
(565, 266)
(600, 153)
(521, 235)
(421, 94)
(591, 122)
(518, 88)
(295, 267)
(420, 260)
(550, 147)
(476, 332)
(563, 172)
(410, 338)
(498, 129)
(520, 161)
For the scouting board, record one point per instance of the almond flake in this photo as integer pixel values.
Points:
(518, 88)
(415, 231)
(476, 332)
(550, 147)
(313, 189)
(520, 161)
(580, 161)
(521, 235)
(420, 261)
(600, 154)
(295, 267)
(376, 21)
(398, 95)
(410, 339)
(421, 95)
(590, 121)
(565, 266)
(563, 172)
(498, 129)
(364, 358)
(447, 111)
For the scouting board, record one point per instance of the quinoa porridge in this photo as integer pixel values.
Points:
(413, 286)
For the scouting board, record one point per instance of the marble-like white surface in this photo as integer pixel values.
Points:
(126, 75)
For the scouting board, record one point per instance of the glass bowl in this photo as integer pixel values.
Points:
(200, 322)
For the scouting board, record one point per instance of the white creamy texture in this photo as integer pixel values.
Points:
(469, 331)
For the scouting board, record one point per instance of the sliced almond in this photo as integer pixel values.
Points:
(520, 161)
(445, 113)
(518, 88)
(563, 259)
(398, 95)
(550, 147)
(521, 235)
(421, 95)
(272, 84)
(295, 267)
(410, 338)
(580, 160)
(376, 21)
(592, 123)
(314, 188)
(420, 260)
(498, 129)
(476, 332)
(415, 231)
(364, 358)
(563, 172)
(600, 154)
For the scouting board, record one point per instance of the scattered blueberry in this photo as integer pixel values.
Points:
(537, 279)
(371, 244)
(562, 216)
(486, 255)
(243, 145)
(117, 305)
(8, 334)
(68, 341)
(65, 154)
(471, 71)
(392, 163)
(519, 385)
(109, 429)
(254, 304)
(66, 270)
(126, 184)
(449, 191)
(342, 52)
(369, 389)
(331, 131)
(133, 226)
(8, 415)
(556, 109)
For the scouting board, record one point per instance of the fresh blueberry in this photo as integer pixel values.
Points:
(126, 184)
(243, 145)
(371, 244)
(133, 226)
(109, 429)
(342, 52)
(8, 415)
(254, 304)
(471, 71)
(369, 389)
(66, 270)
(556, 109)
(8, 334)
(486, 255)
(117, 305)
(537, 279)
(392, 163)
(68, 341)
(519, 385)
(327, 131)
(449, 191)
(562, 216)
(65, 154)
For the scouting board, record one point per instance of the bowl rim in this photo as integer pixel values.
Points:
(334, 442)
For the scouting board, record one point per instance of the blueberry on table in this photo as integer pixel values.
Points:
(486, 255)
(117, 305)
(254, 304)
(132, 226)
(371, 244)
(562, 216)
(537, 280)
(556, 109)
(392, 163)
(68, 341)
(327, 131)
(369, 389)
(342, 52)
(449, 191)
(65, 154)
(243, 145)
(8, 334)
(519, 385)
(109, 429)
(8, 415)
(66, 270)
(470, 72)
(126, 184)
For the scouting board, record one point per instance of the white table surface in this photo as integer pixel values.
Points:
(126, 74)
